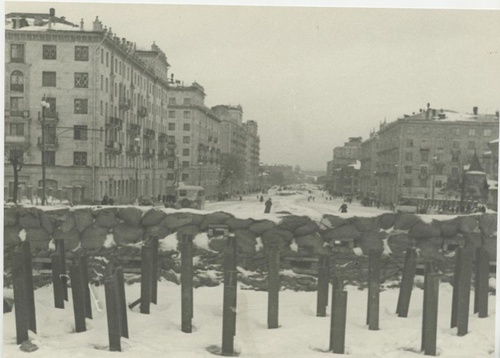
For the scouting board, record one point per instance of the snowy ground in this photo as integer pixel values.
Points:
(301, 333)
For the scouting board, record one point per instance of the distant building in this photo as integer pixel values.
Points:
(343, 170)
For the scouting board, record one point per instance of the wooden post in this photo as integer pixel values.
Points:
(62, 253)
(456, 277)
(30, 291)
(20, 297)
(483, 282)
(186, 283)
(146, 278)
(406, 283)
(372, 317)
(85, 276)
(121, 301)
(78, 291)
(113, 314)
(57, 282)
(429, 269)
(430, 314)
(323, 283)
(338, 321)
(464, 292)
(230, 292)
(154, 270)
(477, 275)
(273, 282)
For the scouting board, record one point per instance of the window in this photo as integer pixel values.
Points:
(48, 79)
(81, 53)
(187, 101)
(172, 101)
(185, 151)
(407, 183)
(170, 164)
(17, 53)
(185, 176)
(82, 80)
(171, 114)
(81, 105)
(80, 132)
(16, 129)
(170, 176)
(50, 157)
(186, 140)
(80, 158)
(187, 114)
(471, 144)
(408, 169)
(16, 106)
(187, 127)
(49, 52)
(51, 111)
(171, 139)
(423, 170)
(456, 144)
(438, 183)
(472, 132)
(409, 143)
(409, 157)
(424, 156)
(17, 81)
(50, 134)
(487, 132)
(454, 157)
(185, 164)
(171, 126)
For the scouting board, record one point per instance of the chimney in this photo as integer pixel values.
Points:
(81, 25)
(52, 11)
(97, 25)
(474, 110)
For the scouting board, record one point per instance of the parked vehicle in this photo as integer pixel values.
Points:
(190, 196)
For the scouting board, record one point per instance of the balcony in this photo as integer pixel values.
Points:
(148, 152)
(49, 116)
(142, 112)
(149, 133)
(162, 137)
(114, 147)
(124, 104)
(133, 150)
(50, 143)
(17, 140)
(114, 123)
(134, 128)
(163, 153)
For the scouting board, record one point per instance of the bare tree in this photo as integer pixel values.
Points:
(230, 168)
(17, 156)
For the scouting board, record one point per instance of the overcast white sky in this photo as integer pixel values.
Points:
(312, 77)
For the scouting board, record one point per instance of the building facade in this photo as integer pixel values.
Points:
(252, 156)
(104, 109)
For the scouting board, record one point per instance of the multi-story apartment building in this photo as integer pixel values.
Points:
(423, 155)
(106, 118)
(368, 184)
(194, 139)
(252, 156)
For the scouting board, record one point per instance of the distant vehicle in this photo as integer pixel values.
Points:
(406, 209)
(190, 196)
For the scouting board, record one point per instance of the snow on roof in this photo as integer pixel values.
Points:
(476, 172)
(356, 165)
(45, 27)
(493, 141)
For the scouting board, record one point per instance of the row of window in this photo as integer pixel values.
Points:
(185, 114)
(79, 158)
(455, 131)
(424, 155)
(49, 52)
(422, 183)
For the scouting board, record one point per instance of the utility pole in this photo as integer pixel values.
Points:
(44, 105)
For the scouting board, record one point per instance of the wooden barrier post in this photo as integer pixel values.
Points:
(30, 291)
(146, 277)
(430, 313)
(62, 253)
(20, 297)
(85, 277)
(113, 314)
(464, 289)
(57, 281)
(482, 282)
(456, 276)
(429, 269)
(323, 283)
(338, 321)
(154, 270)
(121, 301)
(186, 283)
(230, 296)
(372, 317)
(273, 282)
(78, 291)
(407, 283)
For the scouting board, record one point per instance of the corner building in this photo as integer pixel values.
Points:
(106, 129)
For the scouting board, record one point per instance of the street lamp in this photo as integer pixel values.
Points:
(44, 105)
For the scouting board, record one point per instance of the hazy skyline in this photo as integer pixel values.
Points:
(312, 77)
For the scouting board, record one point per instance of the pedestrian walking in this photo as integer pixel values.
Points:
(343, 208)
(268, 204)
(261, 198)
